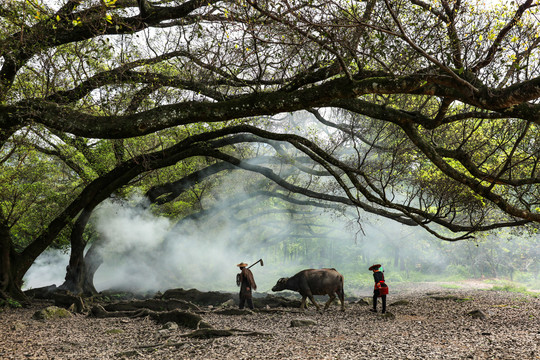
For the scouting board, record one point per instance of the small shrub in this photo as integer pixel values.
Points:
(10, 303)
(459, 271)
(509, 287)
(529, 279)
(512, 287)
(451, 286)
(357, 281)
(394, 277)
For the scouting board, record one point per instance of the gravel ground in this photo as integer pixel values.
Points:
(434, 324)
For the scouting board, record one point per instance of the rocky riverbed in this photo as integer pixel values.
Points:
(421, 323)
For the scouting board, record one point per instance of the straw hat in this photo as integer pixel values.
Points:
(374, 267)
(242, 264)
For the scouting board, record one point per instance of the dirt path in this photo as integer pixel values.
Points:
(433, 322)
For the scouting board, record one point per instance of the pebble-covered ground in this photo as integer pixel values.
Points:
(432, 324)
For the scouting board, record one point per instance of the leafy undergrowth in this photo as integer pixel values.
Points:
(515, 288)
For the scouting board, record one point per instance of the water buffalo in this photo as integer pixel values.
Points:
(311, 282)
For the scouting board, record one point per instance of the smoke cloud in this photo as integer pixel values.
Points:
(144, 252)
(148, 252)
(48, 269)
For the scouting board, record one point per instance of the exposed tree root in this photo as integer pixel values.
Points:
(212, 333)
(152, 304)
(182, 318)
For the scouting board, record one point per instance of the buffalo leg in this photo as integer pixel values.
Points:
(332, 298)
(341, 296)
(303, 304)
(314, 302)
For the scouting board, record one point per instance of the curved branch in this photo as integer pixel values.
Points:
(433, 60)
(474, 184)
(495, 47)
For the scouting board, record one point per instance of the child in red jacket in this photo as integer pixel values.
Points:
(380, 289)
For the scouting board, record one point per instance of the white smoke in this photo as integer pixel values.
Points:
(143, 251)
(48, 269)
(148, 252)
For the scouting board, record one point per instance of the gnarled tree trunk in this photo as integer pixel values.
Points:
(79, 275)
(10, 273)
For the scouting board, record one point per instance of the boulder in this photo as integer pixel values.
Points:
(276, 301)
(51, 312)
(195, 296)
(302, 322)
(477, 314)
(234, 312)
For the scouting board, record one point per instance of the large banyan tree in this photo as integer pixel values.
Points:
(421, 111)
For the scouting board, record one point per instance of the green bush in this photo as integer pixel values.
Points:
(528, 279)
(513, 287)
(397, 277)
(354, 282)
(458, 272)
(10, 303)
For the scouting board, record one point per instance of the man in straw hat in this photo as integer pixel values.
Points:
(247, 283)
(380, 289)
